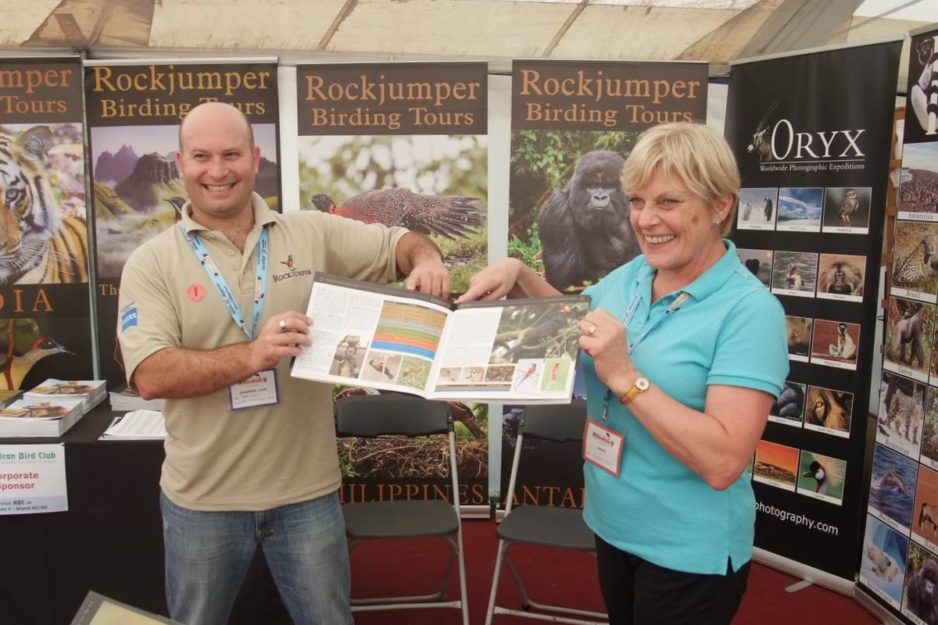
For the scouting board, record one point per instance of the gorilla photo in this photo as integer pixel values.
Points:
(584, 226)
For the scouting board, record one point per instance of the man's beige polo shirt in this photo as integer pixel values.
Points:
(260, 458)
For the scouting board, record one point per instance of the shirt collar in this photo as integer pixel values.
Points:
(711, 280)
(263, 215)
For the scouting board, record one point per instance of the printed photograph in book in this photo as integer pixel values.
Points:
(919, 597)
(883, 560)
(847, 210)
(900, 424)
(892, 488)
(433, 184)
(908, 336)
(43, 186)
(776, 465)
(925, 509)
(822, 477)
(918, 181)
(915, 266)
(138, 191)
(829, 411)
(929, 449)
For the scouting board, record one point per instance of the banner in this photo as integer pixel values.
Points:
(572, 125)
(45, 319)
(812, 142)
(403, 144)
(134, 111)
(899, 557)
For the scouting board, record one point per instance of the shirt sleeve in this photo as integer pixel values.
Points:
(358, 250)
(147, 320)
(752, 350)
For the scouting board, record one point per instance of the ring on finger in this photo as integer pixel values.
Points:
(592, 330)
(283, 325)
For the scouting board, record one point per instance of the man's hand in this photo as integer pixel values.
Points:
(430, 277)
(422, 262)
(281, 337)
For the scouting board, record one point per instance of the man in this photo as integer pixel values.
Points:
(209, 319)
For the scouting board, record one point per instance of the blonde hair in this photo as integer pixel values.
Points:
(695, 154)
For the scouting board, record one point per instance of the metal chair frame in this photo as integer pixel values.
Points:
(372, 416)
(561, 528)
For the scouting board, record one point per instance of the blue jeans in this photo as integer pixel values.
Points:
(208, 554)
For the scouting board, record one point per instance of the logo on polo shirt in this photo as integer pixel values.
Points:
(293, 272)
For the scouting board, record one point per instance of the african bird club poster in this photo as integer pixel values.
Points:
(134, 111)
(45, 319)
(809, 225)
(404, 144)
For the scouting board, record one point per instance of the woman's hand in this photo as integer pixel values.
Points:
(603, 337)
(507, 277)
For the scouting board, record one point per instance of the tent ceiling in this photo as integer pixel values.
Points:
(716, 31)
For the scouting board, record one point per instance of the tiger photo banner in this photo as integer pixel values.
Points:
(45, 318)
(134, 110)
(809, 225)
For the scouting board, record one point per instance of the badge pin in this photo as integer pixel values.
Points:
(195, 292)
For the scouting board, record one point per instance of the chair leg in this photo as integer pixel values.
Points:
(463, 596)
(490, 611)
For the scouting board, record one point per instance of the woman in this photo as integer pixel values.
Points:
(684, 351)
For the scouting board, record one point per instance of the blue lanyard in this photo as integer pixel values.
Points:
(633, 306)
(627, 317)
(221, 285)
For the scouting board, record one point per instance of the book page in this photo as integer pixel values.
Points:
(367, 335)
(516, 350)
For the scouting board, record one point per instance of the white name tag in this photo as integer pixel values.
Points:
(257, 390)
(603, 447)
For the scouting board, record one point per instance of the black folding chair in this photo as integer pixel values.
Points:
(560, 528)
(371, 416)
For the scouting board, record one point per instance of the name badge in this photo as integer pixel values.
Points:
(257, 390)
(603, 447)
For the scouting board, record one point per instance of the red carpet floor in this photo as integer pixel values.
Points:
(563, 577)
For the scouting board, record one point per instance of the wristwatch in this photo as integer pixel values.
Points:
(640, 385)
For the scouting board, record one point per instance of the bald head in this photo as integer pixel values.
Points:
(213, 110)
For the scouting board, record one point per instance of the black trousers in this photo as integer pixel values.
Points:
(638, 592)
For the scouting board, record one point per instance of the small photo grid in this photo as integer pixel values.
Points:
(382, 366)
(900, 423)
(776, 465)
(918, 182)
(794, 273)
(892, 488)
(883, 561)
(915, 267)
(907, 343)
(821, 477)
(829, 411)
(758, 262)
(349, 356)
(788, 408)
(929, 451)
(841, 277)
(925, 509)
(799, 209)
(527, 375)
(799, 331)
(847, 210)
(835, 344)
(757, 208)
(919, 593)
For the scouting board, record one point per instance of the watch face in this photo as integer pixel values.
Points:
(642, 383)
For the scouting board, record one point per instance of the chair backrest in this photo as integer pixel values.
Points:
(369, 416)
(555, 422)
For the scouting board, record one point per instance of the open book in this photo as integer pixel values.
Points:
(522, 351)
(100, 610)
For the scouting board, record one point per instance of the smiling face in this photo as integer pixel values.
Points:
(675, 229)
(218, 163)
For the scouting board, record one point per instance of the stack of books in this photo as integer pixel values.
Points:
(51, 408)
(136, 425)
(128, 399)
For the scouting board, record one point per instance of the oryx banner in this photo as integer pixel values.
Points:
(899, 557)
(134, 111)
(812, 138)
(45, 318)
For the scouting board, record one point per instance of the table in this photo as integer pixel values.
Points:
(110, 539)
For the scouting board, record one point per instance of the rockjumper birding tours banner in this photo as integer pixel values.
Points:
(812, 142)
(134, 111)
(403, 144)
(899, 555)
(45, 319)
(572, 125)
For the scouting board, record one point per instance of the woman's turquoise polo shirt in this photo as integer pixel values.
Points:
(730, 331)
